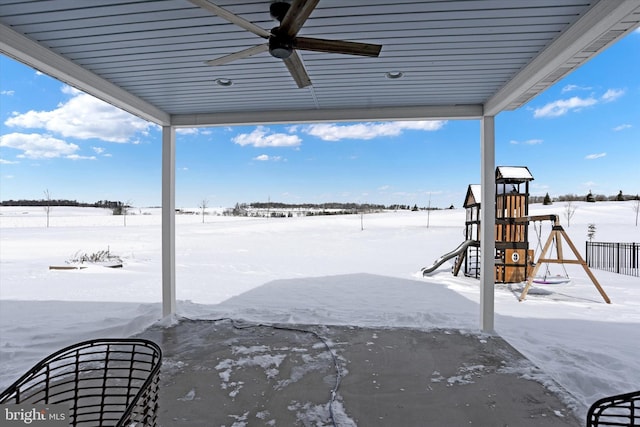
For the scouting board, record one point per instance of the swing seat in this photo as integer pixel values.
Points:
(553, 280)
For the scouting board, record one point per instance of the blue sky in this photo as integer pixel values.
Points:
(581, 134)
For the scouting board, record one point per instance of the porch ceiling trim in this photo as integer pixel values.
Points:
(25, 50)
(598, 28)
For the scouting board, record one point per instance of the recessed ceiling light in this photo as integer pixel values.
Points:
(394, 75)
(224, 82)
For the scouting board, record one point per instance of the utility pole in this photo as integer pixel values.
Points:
(429, 210)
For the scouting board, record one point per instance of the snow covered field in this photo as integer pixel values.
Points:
(311, 270)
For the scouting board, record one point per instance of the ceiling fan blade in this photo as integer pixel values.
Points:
(295, 18)
(337, 46)
(297, 70)
(239, 55)
(231, 17)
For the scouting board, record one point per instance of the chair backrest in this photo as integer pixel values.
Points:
(619, 410)
(105, 382)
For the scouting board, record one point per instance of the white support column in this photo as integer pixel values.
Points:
(487, 223)
(168, 220)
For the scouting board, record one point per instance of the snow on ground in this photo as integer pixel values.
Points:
(325, 270)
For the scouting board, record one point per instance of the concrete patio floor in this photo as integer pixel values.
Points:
(225, 373)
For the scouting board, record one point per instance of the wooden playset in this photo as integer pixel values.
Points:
(512, 257)
(514, 260)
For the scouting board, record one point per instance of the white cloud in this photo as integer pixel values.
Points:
(527, 142)
(187, 131)
(612, 94)
(8, 92)
(8, 162)
(622, 127)
(37, 146)
(263, 137)
(570, 88)
(70, 90)
(101, 151)
(595, 156)
(405, 194)
(384, 188)
(78, 157)
(83, 117)
(336, 132)
(267, 158)
(539, 187)
(563, 106)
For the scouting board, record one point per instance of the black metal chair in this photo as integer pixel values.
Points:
(620, 410)
(105, 382)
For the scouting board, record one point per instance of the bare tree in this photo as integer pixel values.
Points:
(47, 208)
(569, 210)
(203, 205)
(125, 211)
(636, 209)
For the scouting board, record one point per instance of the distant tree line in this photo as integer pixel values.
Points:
(330, 205)
(309, 209)
(279, 209)
(590, 197)
(359, 207)
(109, 204)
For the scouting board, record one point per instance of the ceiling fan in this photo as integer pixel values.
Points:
(283, 40)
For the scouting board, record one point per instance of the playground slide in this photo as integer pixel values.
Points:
(457, 251)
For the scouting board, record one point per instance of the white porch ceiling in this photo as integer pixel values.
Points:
(460, 59)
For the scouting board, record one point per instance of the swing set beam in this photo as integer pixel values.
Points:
(557, 233)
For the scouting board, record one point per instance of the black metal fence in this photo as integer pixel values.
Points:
(621, 258)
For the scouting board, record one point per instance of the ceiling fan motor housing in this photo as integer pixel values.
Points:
(280, 46)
